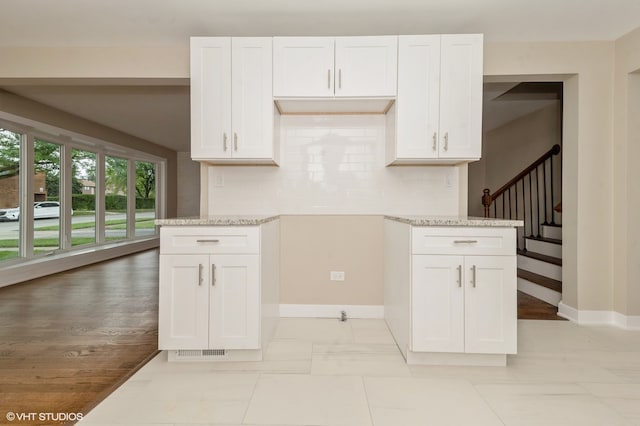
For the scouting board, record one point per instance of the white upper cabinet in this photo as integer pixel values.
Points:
(232, 113)
(418, 106)
(303, 66)
(366, 66)
(335, 67)
(438, 110)
(461, 96)
(210, 97)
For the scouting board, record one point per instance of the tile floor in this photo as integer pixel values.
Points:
(324, 372)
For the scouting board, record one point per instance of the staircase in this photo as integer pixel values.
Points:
(540, 265)
(530, 197)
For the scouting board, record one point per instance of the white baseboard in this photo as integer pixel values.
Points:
(584, 317)
(331, 311)
(628, 322)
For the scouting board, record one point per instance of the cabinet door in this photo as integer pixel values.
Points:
(490, 304)
(418, 103)
(437, 309)
(366, 66)
(252, 100)
(303, 66)
(210, 97)
(235, 302)
(183, 321)
(461, 96)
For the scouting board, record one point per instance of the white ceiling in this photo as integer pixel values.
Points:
(161, 114)
(171, 22)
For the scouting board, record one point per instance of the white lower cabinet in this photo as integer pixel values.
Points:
(209, 302)
(463, 304)
(212, 297)
(451, 293)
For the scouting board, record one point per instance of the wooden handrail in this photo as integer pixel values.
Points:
(488, 198)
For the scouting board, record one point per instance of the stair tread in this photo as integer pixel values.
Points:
(541, 257)
(541, 280)
(545, 239)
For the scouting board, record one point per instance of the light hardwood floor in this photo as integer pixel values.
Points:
(67, 340)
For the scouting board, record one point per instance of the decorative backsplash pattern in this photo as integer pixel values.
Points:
(334, 165)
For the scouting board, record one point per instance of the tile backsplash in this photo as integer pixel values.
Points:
(334, 165)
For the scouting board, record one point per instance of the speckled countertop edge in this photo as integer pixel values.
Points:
(217, 221)
(411, 220)
(455, 221)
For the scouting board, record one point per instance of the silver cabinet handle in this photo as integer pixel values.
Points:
(213, 275)
(328, 79)
(446, 141)
(465, 241)
(435, 140)
(340, 79)
(473, 278)
(459, 268)
(224, 141)
(207, 241)
(200, 274)
(235, 141)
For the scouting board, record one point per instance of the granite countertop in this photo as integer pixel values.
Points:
(253, 220)
(455, 221)
(218, 220)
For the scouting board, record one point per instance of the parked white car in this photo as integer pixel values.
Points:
(41, 210)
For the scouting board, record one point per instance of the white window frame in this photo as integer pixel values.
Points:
(69, 141)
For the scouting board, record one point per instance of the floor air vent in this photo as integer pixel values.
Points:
(198, 355)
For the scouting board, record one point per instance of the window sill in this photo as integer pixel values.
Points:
(58, 262)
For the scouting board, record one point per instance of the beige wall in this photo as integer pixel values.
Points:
(188, 186)
(600, 142)
(626, 191)
(316, 245)
(94, 64)
(587, 70)
(21, 107)
(508, 149)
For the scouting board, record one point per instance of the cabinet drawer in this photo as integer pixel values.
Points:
(215, 240)
(463, 240)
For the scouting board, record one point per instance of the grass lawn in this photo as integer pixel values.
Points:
(109, 224)
(51, 243)
(7, 254)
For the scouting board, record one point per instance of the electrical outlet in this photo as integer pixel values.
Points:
(336, 275)
(219, 179)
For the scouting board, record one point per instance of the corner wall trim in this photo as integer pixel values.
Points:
(584, 317)
(331, 311)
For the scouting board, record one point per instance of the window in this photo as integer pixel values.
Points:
(81, 194)
(145, 198)
(115, 205)
(46, 196)
(10, 194)
(83, 226)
